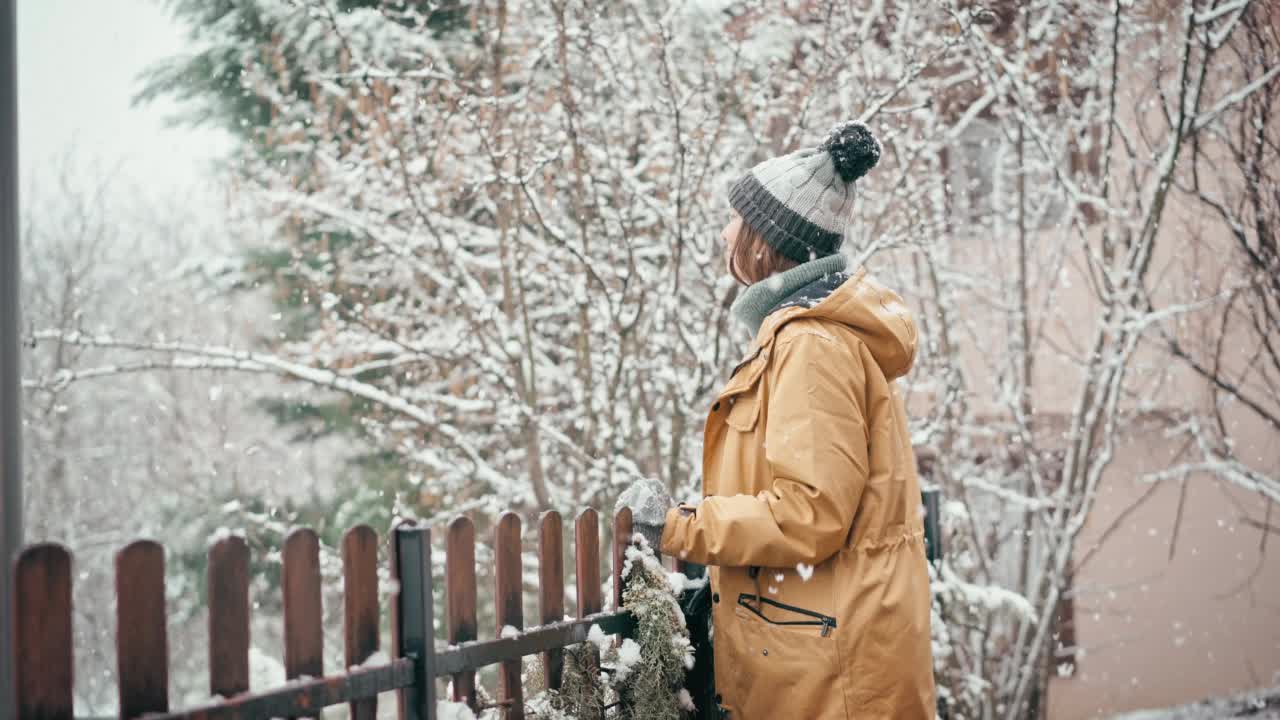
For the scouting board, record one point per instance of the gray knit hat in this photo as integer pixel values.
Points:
(800, 203)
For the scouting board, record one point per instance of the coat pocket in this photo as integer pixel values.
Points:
(744, 412)
(777, 613)
(782, 661)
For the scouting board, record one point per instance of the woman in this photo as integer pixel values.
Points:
(810, 516)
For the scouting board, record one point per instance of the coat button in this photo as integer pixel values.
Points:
(715, 597)
(765, 652)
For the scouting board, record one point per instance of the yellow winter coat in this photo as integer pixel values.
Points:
(811, 516)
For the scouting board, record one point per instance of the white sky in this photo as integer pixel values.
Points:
(78, 63)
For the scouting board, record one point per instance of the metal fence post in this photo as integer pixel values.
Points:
(415, 635)
(932, 499)
(10, 416)
(696, 604)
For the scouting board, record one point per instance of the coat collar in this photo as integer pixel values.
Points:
(807, 301)
(799, 304)
(873, 313)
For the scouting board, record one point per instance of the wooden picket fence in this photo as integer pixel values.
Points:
(43, 623)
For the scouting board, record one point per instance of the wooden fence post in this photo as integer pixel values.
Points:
(460, 592)
(508, 595)
(621, 540)
(587, 580)
(587, 552)
(303, 613)
(360, 606)
(551, 589)
(228, 589)
(42, 639)
(142, 643)
(414, 622)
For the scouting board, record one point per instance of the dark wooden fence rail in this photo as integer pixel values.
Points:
(42, 634)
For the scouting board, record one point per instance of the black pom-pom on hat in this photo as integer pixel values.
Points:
(853, 149)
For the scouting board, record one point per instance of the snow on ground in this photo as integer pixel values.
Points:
(1255, 705)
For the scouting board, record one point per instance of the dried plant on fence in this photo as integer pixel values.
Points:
(650, 669)
(642, 677)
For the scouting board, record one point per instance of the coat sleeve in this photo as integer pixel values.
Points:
(816, 450)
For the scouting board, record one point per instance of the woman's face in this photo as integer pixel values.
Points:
(730, 238)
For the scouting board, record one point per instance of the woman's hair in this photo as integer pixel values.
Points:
(752, 260)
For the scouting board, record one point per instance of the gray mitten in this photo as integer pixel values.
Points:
(649, 503)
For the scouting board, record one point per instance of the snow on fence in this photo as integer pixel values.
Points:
(43, 623)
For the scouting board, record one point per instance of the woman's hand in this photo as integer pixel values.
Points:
(649, 503)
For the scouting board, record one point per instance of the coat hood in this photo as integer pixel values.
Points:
(859, 302)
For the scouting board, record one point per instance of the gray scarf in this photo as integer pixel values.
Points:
(756, 302)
